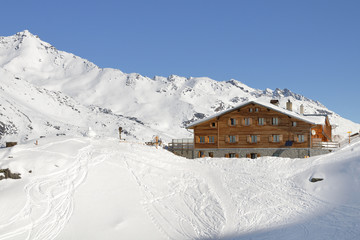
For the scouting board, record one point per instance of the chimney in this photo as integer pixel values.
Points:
(301, 109)
(275, 102)
(289, 105)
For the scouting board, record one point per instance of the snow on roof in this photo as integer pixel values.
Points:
(312, 119)
(318, 119)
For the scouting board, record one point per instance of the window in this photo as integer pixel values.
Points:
(294, 124)
(250, 110)
(275, 121)
(247, 121)
(256, 109)
(211, 139)
(253, 138)
(232, 155)
(261, 121)
(211, 154)
(213, 124)
(301, 138)
(276, 138)
(202, 139)
(232, 139)
(201, 154)
(232, 121)
(253, 155)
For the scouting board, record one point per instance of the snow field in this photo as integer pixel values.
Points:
(88, 188)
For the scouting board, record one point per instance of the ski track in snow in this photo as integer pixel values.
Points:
(189, 199)
(198, 214)
(256, 205)
(49, 202)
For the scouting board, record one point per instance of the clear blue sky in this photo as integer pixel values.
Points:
(311, 47)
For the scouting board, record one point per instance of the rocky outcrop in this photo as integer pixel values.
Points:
(6, 173)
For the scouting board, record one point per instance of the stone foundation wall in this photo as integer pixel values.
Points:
(244, 152)
(185, 153)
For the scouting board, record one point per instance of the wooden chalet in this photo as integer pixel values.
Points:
(255, 129)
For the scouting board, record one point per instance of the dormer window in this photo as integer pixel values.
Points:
(256, 109)
(250, 110)
(294, 124)
(213, 124)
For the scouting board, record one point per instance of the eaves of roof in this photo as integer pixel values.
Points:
(267, 105)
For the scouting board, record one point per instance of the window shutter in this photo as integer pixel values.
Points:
(264, 121)
(237, 155)
(227, 139)
(207, 139)
(270, 138)
(250, 121)
(203, 156)
(197, 139)
(227, 155)
(199, 154)
(305, 138)
(248, 155)
(281, 138)
(243, 121)
(248, 138)
(258, 138)
(229, 121)
(295, 138)
(237, 138)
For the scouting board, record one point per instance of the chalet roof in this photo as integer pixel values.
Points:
(312, 119)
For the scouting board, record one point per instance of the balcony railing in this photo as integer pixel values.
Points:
(181, 144)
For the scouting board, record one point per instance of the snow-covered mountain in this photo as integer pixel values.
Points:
(28, 112)
(60, 89)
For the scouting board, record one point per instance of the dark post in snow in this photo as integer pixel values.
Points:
(120, 129)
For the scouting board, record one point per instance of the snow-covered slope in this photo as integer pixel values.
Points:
(165, 104)
(28, 112)
(84, 188)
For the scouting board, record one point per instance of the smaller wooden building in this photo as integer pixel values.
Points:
(255, 129)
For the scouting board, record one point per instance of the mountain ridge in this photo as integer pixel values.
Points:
(164, 104)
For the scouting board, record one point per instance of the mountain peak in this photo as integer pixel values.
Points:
(26, 33)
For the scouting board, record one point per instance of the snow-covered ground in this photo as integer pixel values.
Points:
(96, 188)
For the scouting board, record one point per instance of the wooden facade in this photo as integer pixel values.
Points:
(254, 125)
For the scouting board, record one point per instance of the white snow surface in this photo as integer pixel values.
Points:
(88, 188)
(45, 91)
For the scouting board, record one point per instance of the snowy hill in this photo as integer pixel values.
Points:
(84, 188)
(28, 112)
(163, 104)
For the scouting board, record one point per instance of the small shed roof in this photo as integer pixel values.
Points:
(312, 119)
